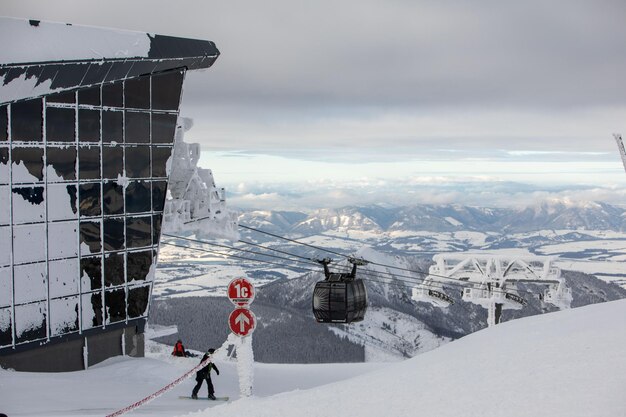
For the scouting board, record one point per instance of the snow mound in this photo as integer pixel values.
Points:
(569, 363)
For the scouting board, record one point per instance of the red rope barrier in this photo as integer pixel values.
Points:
(161, 391)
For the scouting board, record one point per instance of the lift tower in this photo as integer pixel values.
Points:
(491, 282)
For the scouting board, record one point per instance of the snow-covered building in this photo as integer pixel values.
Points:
(87, 125)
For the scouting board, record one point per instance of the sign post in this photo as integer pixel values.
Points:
(242, 323)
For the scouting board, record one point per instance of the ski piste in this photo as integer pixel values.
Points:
(184, 397)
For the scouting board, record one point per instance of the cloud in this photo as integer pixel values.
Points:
(360, 53)
(527, 92)
(473, 191)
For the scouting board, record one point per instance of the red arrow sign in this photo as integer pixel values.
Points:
(241, 292)
(242, 321)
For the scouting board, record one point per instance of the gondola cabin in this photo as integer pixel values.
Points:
(340, 298)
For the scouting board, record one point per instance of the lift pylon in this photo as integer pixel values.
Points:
(491, 281)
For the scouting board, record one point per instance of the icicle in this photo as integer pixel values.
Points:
(85, 355)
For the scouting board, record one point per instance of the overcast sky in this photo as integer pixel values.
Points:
(315, 103)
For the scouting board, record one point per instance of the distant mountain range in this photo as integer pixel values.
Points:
(395, 326)
(559, 215)
(583, 237)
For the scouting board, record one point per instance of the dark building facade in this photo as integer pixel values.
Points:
(84, 148)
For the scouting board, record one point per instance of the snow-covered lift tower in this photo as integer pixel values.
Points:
(491, 281)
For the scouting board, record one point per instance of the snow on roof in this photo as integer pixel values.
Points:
(38, 58)
(35, 41)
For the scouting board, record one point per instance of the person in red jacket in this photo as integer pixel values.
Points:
(179, 349)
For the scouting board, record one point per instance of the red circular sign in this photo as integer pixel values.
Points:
(240, 292)
(242, 321)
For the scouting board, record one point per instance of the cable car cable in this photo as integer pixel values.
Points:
(294, 241)
(398, 281)
(385, 281)
(341, 254)
(276, 250)
(375, 274)
(231, 247)
(373, 263)
(232, 256)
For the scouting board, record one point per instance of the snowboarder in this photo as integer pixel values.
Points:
(205, 374)
(179, 349)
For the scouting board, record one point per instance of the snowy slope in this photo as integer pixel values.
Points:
(569, 363)
(118, 382)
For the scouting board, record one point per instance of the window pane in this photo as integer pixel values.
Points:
(159, 189)
(28, 205)
(163, 127)
(27, 164)
(137, 127)
(115, 302)
(63, 161)
(27, 120)
(6, 327)
(112, 126)
(88, 125)
(62, 277)
(113, 234)
(6, 279)
(160, 155)
(137, 93)
(112, 95)
(4, 124)
(112, 162)
(138, 197)
(139, 264)
(30, 322)
(30, 282)
(89, 162)
(90, 199)
(113, 195)
(138, 232)
(114, 269)
(92, 310)
(4, 166)
(63, 315)
(89, 96)
(138, 161)
(166, 90)
(156, 228)
(90, 236)
(68, 98)
(5, 255)
(29, 243)
(91, 273)
(62, 240)
(138, 301)
(60, 124)
(62, 201)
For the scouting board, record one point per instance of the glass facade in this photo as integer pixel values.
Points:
(83, 180)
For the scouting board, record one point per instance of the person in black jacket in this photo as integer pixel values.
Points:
(204, 374)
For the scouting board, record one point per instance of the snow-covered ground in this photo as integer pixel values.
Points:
(570, 363)
(119, 382)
